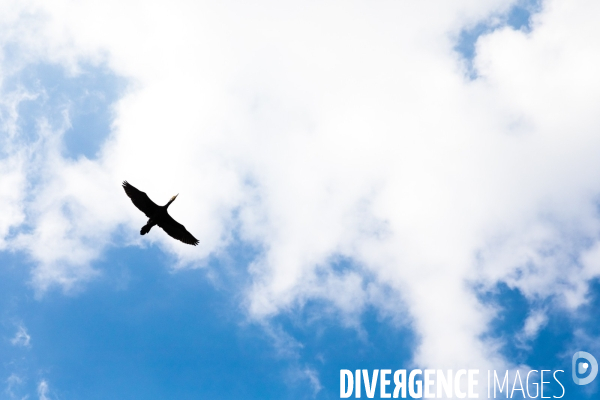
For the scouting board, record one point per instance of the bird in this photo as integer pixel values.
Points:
(158, 215)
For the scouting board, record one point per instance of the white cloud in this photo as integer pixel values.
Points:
(534, 323)
(43, 390)
(313, 378)
(21, 338)
(331, 129)
(12, 383)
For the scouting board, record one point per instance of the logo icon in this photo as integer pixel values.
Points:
(582, 367)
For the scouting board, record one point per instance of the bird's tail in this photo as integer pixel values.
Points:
(145, 229)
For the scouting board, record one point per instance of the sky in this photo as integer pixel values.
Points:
(374, 184)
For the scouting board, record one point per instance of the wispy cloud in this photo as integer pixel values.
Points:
(313, 379)
(21, 338)
(43, 390)
(12, 383)
(534, 323)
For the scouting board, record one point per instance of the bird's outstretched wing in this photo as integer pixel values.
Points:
(177, 231)
(140, 199)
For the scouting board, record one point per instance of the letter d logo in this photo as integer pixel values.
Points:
(583, 367)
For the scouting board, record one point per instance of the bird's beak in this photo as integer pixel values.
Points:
(174, 197)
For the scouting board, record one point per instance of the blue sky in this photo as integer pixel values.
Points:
(141, 331)
(349, 216)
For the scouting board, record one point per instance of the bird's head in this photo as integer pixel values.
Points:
(172, 199)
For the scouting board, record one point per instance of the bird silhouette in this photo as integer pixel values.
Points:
(158, 215)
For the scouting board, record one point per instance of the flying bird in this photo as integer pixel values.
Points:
(158, 215)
